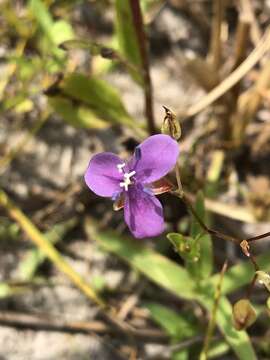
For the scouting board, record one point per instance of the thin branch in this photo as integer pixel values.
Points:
(251, 286)
(48, 322)
(258, 237)
(180, 194)
(211, 232)
(148, 92)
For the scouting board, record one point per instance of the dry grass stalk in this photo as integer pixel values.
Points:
(215, 54)
(241, 41)
(249, 103)
(248, 11)
(261, 49)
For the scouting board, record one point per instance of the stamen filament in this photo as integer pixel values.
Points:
(120, 167)
(127, 180)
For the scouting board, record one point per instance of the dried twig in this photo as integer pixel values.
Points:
(52, 323)
(241, 41)
(216, 45)
(261, 49)
(248, 11)
(249, 103)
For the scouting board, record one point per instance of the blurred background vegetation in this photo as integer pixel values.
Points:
(83, 76)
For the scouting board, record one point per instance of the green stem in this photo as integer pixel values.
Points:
(212, 321)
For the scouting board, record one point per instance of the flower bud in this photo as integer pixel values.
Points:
(171, 125)
(244, 315)
(268, 303)
(263, 278)
(245, 247)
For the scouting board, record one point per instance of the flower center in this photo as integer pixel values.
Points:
(127, 176)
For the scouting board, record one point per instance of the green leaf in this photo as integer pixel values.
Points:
(93, 47)
(8, 230)
(61, 31)
(195, 229)
(55, 31)
(98, 283)
(185, 246)
(238, 340)
(241, 274)
(42, 15)
(158, 268)
(204, 267)
(176, 279)
(77, 115)
(5, 290)
(180, 355)
(217, 349)
(101, 98)
(178, 326)
(126, 36)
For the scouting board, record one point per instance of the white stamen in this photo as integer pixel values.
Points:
(120, 167)
(128, 175)
(127, 180)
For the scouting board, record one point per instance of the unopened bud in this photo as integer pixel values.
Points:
(244, 315)
(171, 125)
(268, 303)
(263, 278)
(245, 247)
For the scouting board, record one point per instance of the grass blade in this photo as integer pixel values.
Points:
(47, 248)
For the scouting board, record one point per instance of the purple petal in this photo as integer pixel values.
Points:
(158, 155)
(102, 175)
(143, 213)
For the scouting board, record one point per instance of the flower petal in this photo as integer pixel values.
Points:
(157, 156)
(143, 213)
(102, 175)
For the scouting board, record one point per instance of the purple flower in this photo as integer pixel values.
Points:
(107, 175)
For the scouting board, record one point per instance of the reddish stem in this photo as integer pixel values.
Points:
(148, 93)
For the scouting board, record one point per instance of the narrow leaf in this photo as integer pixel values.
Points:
(155, 266)
(176, 279)
(204, 267)
(55, 31)
(102, 99)
(126, 36)
(178, 326)
(77, 115)
(47, 248)
(35, 257)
